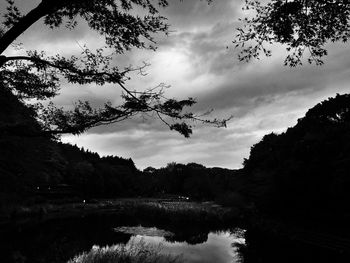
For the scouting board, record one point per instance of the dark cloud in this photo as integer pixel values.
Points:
(259, 83)
(193, 14)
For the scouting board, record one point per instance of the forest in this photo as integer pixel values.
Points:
(301, 172)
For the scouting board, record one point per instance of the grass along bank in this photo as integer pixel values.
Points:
(135, 252)
(160, 209)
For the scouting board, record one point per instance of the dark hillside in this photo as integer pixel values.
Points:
(305, 170)
(26, 159)
(29, 159)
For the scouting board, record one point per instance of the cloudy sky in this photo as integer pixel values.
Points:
(198, 60)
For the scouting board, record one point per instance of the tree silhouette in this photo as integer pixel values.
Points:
(303, 26)
(123, 26)
(306, 166)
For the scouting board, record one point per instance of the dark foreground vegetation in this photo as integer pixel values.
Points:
(293, 181)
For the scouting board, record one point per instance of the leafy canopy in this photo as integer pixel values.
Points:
(303, 26)
(124, 24)
(307, 166)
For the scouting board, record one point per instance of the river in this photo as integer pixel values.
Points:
(179, 235)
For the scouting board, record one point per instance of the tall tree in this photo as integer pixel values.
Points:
(303, 26)
(123, 26)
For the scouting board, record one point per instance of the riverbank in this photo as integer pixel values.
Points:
(56, 233)
(58, 239)
(124, 207)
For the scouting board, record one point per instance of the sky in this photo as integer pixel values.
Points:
(197, 60)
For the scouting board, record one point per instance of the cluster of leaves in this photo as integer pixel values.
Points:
(121, 29)
(13, 14)
(303, 26)
(334, 110)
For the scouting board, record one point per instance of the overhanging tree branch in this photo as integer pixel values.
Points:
(38, 77)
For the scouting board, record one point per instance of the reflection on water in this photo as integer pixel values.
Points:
(61, 240)
(219, 247)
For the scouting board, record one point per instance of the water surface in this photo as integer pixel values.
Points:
(219, 246)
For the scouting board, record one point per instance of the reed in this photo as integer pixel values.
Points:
(133, 252)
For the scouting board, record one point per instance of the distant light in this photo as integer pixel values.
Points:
(37, 187)
(187, 198)
(84, 201)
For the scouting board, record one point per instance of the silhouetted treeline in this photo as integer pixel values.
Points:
(192, 180)
(305, 170)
